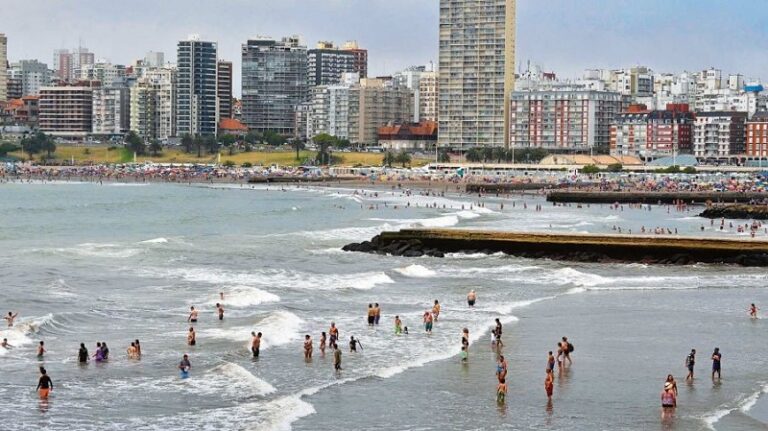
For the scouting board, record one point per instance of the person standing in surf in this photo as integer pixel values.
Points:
(471, 298)
(398, 325)
(716, 358)
(191, 337)
(333, 333)
(138, 348)
(549, 383)
(10, 318)
(377, 315)
(255, 343)
(371, 315)
(753, 311)
(501, 391)
(307, 347)
(184, 366)
(41, 350)
(322, 343)
(550, 361)
(690, 361)
(336, 357)
(44, 384)
(354, 343)
(192, 315)
(82, 354)
(436, 310)
(220, 310)
(428, 322)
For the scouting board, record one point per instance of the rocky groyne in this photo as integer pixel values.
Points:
(570, 247)
(608, 197)
(737, 211)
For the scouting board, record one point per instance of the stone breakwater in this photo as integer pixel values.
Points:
(569, 247)
(737, 211)
(607, 197)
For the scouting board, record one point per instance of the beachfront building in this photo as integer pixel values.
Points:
(476, 72)
(274, 83)
(153, 105)
(563, 118)
(154, 59)
(101, 71)
(361, 58)
(111, 109)
(196, 82)
(3, 68)
(651, 134)
(14, 89)
(424, 102)
(224, 89)
(757, 135)
(67, 111)
(635, 82)
(409, 137)
(31, 75)
(719, 134)
(326, 63)
(23, 111)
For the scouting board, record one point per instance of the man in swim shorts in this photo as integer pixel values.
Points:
(192, 315)
(255, 344)
(436, 310)
(44, 384)
(716, 358)
(471, 298)
(307, 347)
(371, 315)
(690, 361)
(10, 318)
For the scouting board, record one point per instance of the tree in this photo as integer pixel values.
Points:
(155, 148)
(187, 142)
(499, 154)
(403, 158)
(689, 170)
(488, 154)
(615, 167)
(227, 139)
(252, 138)
(38, 143)
(297, 145)
(590, 169)
(323, 141)
(211, 144)
(342, 143)
(134, 143)
(229, 163)
(199, 145)
(273, 138)
(389, 158)
(443, 156)
(474, 155)
(6, 148)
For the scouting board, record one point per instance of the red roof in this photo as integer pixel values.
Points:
(232, 124)
(423, 129)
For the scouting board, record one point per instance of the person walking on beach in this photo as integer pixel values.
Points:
(501, 391)
(41, 350)
(10, 318)
(471, 298)
(549, 383)
(184, 366)
(336, 357)
(716, 358)
(753, 311)
(255, 343)
(377, 313)
(690, 361)
(220, 310)
(428, 322)
(191, 337)
(307, 347)
(371, 315)
(192, 315)
(44, 384)
(436, 310)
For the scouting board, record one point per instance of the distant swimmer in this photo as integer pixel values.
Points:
(398, 325)
(501, 391)
(184, 366)
(255, 343)
(436, 310)
(322, 343)
(717, 357)
(753, 311)
(220, 310)
(82, 354)
(10, 318)
(377, 313)
(371, 315)
(549, 383)
(501, 368)
(336, 357)
(550, 361)
(428, 322)
(191, 337)
(690, 361)
(5, 344)
(471, 298)
(192, 315)
(104, 350)
(354, 343)
(44, 384)
(333, 333)
(132, 351)
(307, 347)
(221, 296)
(99, 355)
(41, 350)
(138, 347)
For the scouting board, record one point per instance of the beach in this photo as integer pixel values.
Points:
(89, 262)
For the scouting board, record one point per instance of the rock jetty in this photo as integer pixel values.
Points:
(737, 211)
(608, 197)
(570, 247)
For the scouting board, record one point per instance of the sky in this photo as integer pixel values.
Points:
(564, 36)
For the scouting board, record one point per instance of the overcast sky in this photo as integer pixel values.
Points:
(565, 36)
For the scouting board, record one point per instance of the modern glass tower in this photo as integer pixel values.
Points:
(477, 72)
(196, 109)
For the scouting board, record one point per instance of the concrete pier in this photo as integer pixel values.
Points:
(608, 197)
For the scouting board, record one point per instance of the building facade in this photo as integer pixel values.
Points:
(719, 134)
(361, 57)
(409, 137)
(224, 89)
(373, 104)
(563, 118)
(67, 111)
(111, 109)
(32, 74)
(274, 83)
(62, 64)
(650, 134)
(427, 97)
(757, 135)
(326, 63)
(153, 105)
(104, 72)
(3, 68)
(197, 94)
(477, 71)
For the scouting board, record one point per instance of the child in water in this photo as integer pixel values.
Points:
(501, 391)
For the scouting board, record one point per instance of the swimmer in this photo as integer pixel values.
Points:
(322, 343)
(44, 384)
(191, 337)
(501, 391)
(471, 298)
(132, 352)
(99, 355)
(192, 315)
(436, 310)
(104, 350)
(220, 310)
(5, 344)
(41, 350)
(405, 330)
(10, 318)
(753, 311)
(398, 325)
(353, 344)
(82, 354)
(549, 383)
(371, 315)
(307, 347)
(377, 315)
(336, 357)
(184, 366)
(221, 296)
(255, 344)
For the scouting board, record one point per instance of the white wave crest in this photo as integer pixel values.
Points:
(416, 271)
(231, 379)
(155, 241)
(244, 296)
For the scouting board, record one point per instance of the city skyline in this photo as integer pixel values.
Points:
(564, 37)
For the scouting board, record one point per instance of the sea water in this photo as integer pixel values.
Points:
(89, 263)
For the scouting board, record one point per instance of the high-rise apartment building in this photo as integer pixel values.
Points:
(652, 133)
(154, 59)
(111, 109)
(274, 83)
(32, 74)
(196, 95)
(66, 111)
(719, 134)
(757, 135)
(81, 57)
(361, 57)
(326, 63)
(477, 72)
(153, 105)
(103, 71)
(428, 97)
(224, 88)
(3, 68)
(62, 64)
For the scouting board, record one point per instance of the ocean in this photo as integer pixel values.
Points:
(117, 262)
